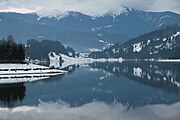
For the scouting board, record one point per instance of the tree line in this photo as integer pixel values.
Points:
(44, 47)
(10, 51)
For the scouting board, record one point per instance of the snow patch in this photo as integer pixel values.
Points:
(148, 76)
(99, 35)
(155, 52)
(57, 14)
(168, 45)
(175, 35)
(63, 15)
(137, 72)
(166, 16)
(41, 36)
(102, 41)
(20, 66)
(93, 29)
(137, 47)
(164, 39)
(158, 39)
(158, 46)
(94, 50)
(115, 51)
(54, 57)
(148, 42)
(93, 69)
(117, 11)
(108, 26)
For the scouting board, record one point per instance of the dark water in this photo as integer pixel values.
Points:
(131, 84)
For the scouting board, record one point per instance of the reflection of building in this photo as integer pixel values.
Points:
(11, 94)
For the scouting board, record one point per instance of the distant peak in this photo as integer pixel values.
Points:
(120, 10)
(62, 14)
(49, 13)
(57, 14)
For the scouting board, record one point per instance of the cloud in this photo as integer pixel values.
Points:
(139, 4)
(154, 5)
(91, 111)
(88, 6)
(166, 5)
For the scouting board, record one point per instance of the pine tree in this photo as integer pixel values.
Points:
(10, 51)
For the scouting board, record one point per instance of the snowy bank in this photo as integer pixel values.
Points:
(169, 60)
(67, 61)
(20, 73)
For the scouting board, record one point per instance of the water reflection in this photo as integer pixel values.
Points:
(59, 65)
(90, 111)
(163, 76)
(54, 64)
(12, 94)
(131, 84)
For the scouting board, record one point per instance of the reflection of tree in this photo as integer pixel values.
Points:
(164, 76)
(71, 69)
(11, 94)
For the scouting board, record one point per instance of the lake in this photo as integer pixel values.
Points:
(102, 90)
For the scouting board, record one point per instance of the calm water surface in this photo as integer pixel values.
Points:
(109, 88)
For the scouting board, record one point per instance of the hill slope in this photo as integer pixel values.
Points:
(40, 49)
(163, 43)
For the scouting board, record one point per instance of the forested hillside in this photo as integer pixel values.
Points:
(40, 49)
(163, 43)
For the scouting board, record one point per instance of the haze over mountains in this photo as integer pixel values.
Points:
(84, 32)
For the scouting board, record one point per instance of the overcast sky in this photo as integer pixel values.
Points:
(88, 6)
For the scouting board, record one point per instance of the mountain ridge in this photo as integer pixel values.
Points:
(83, 32)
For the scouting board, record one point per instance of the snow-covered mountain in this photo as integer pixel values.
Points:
(81, 31)
(159, 44)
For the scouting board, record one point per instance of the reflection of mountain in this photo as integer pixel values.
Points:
(84, 85)
(159, 75)
(11, 94)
